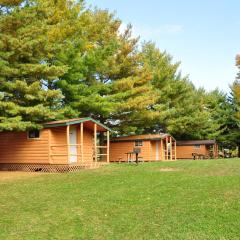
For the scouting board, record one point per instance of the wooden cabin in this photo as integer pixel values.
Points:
(152, 147)
(197, 149)
(66, 143)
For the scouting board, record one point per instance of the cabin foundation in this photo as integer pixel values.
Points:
(48, 168)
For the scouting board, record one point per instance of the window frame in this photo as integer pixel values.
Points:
(136, 143)
(33, 138)
(197, 146)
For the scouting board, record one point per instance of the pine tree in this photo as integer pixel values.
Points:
(105, 79)
(235, 101)
(230, 138)
(180, 109)
(31, 34)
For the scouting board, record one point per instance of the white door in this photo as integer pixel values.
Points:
(157, 150)
(73, 141)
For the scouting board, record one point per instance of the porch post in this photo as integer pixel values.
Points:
(68, 150)
(171, 148)
(108, 143)
(81, 140)
(166, 148)
(175, 149)
(95, 141)
(162, 150)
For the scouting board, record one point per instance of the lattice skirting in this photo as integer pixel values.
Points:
(49, 167)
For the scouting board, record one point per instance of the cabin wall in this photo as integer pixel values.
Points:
(58, 143)
(118, 150)
(15, 147)
(185, 152)
(88, 145)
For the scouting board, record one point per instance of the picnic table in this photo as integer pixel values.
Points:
(130, 155)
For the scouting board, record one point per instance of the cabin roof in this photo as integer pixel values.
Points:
(66, 122)
(195, 142)
(150, 137)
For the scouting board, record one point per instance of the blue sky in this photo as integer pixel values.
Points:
(204, 35)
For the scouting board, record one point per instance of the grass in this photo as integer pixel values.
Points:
(166, 200)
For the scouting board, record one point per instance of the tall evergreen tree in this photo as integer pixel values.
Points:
(180, 108)
(105, 79)
(32, 32)
(230, 138)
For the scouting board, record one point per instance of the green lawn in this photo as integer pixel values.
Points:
(168, 200)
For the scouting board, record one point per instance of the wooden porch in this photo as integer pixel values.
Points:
(87, 142)
(169, 148)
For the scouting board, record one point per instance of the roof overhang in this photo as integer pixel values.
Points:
(195, 142)
(147, 137)
(89, 120)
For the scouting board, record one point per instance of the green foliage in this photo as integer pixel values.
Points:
(31, 34)
(105, 79)
(59, 59)
(180, 109)
(231, 136)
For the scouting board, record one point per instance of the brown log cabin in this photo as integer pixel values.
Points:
(153, 147)
(197, 149)
(67, 144)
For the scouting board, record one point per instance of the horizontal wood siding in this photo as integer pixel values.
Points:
(185, 152)
(15, 147)
(59, 137)
(118, 150)
(88, 144)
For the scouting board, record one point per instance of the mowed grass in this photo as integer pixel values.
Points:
(166, 200)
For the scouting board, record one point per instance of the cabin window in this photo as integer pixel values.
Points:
(138, 143)
(32, 134)
(197, 146)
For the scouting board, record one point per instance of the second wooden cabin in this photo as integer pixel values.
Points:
(153, 147)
